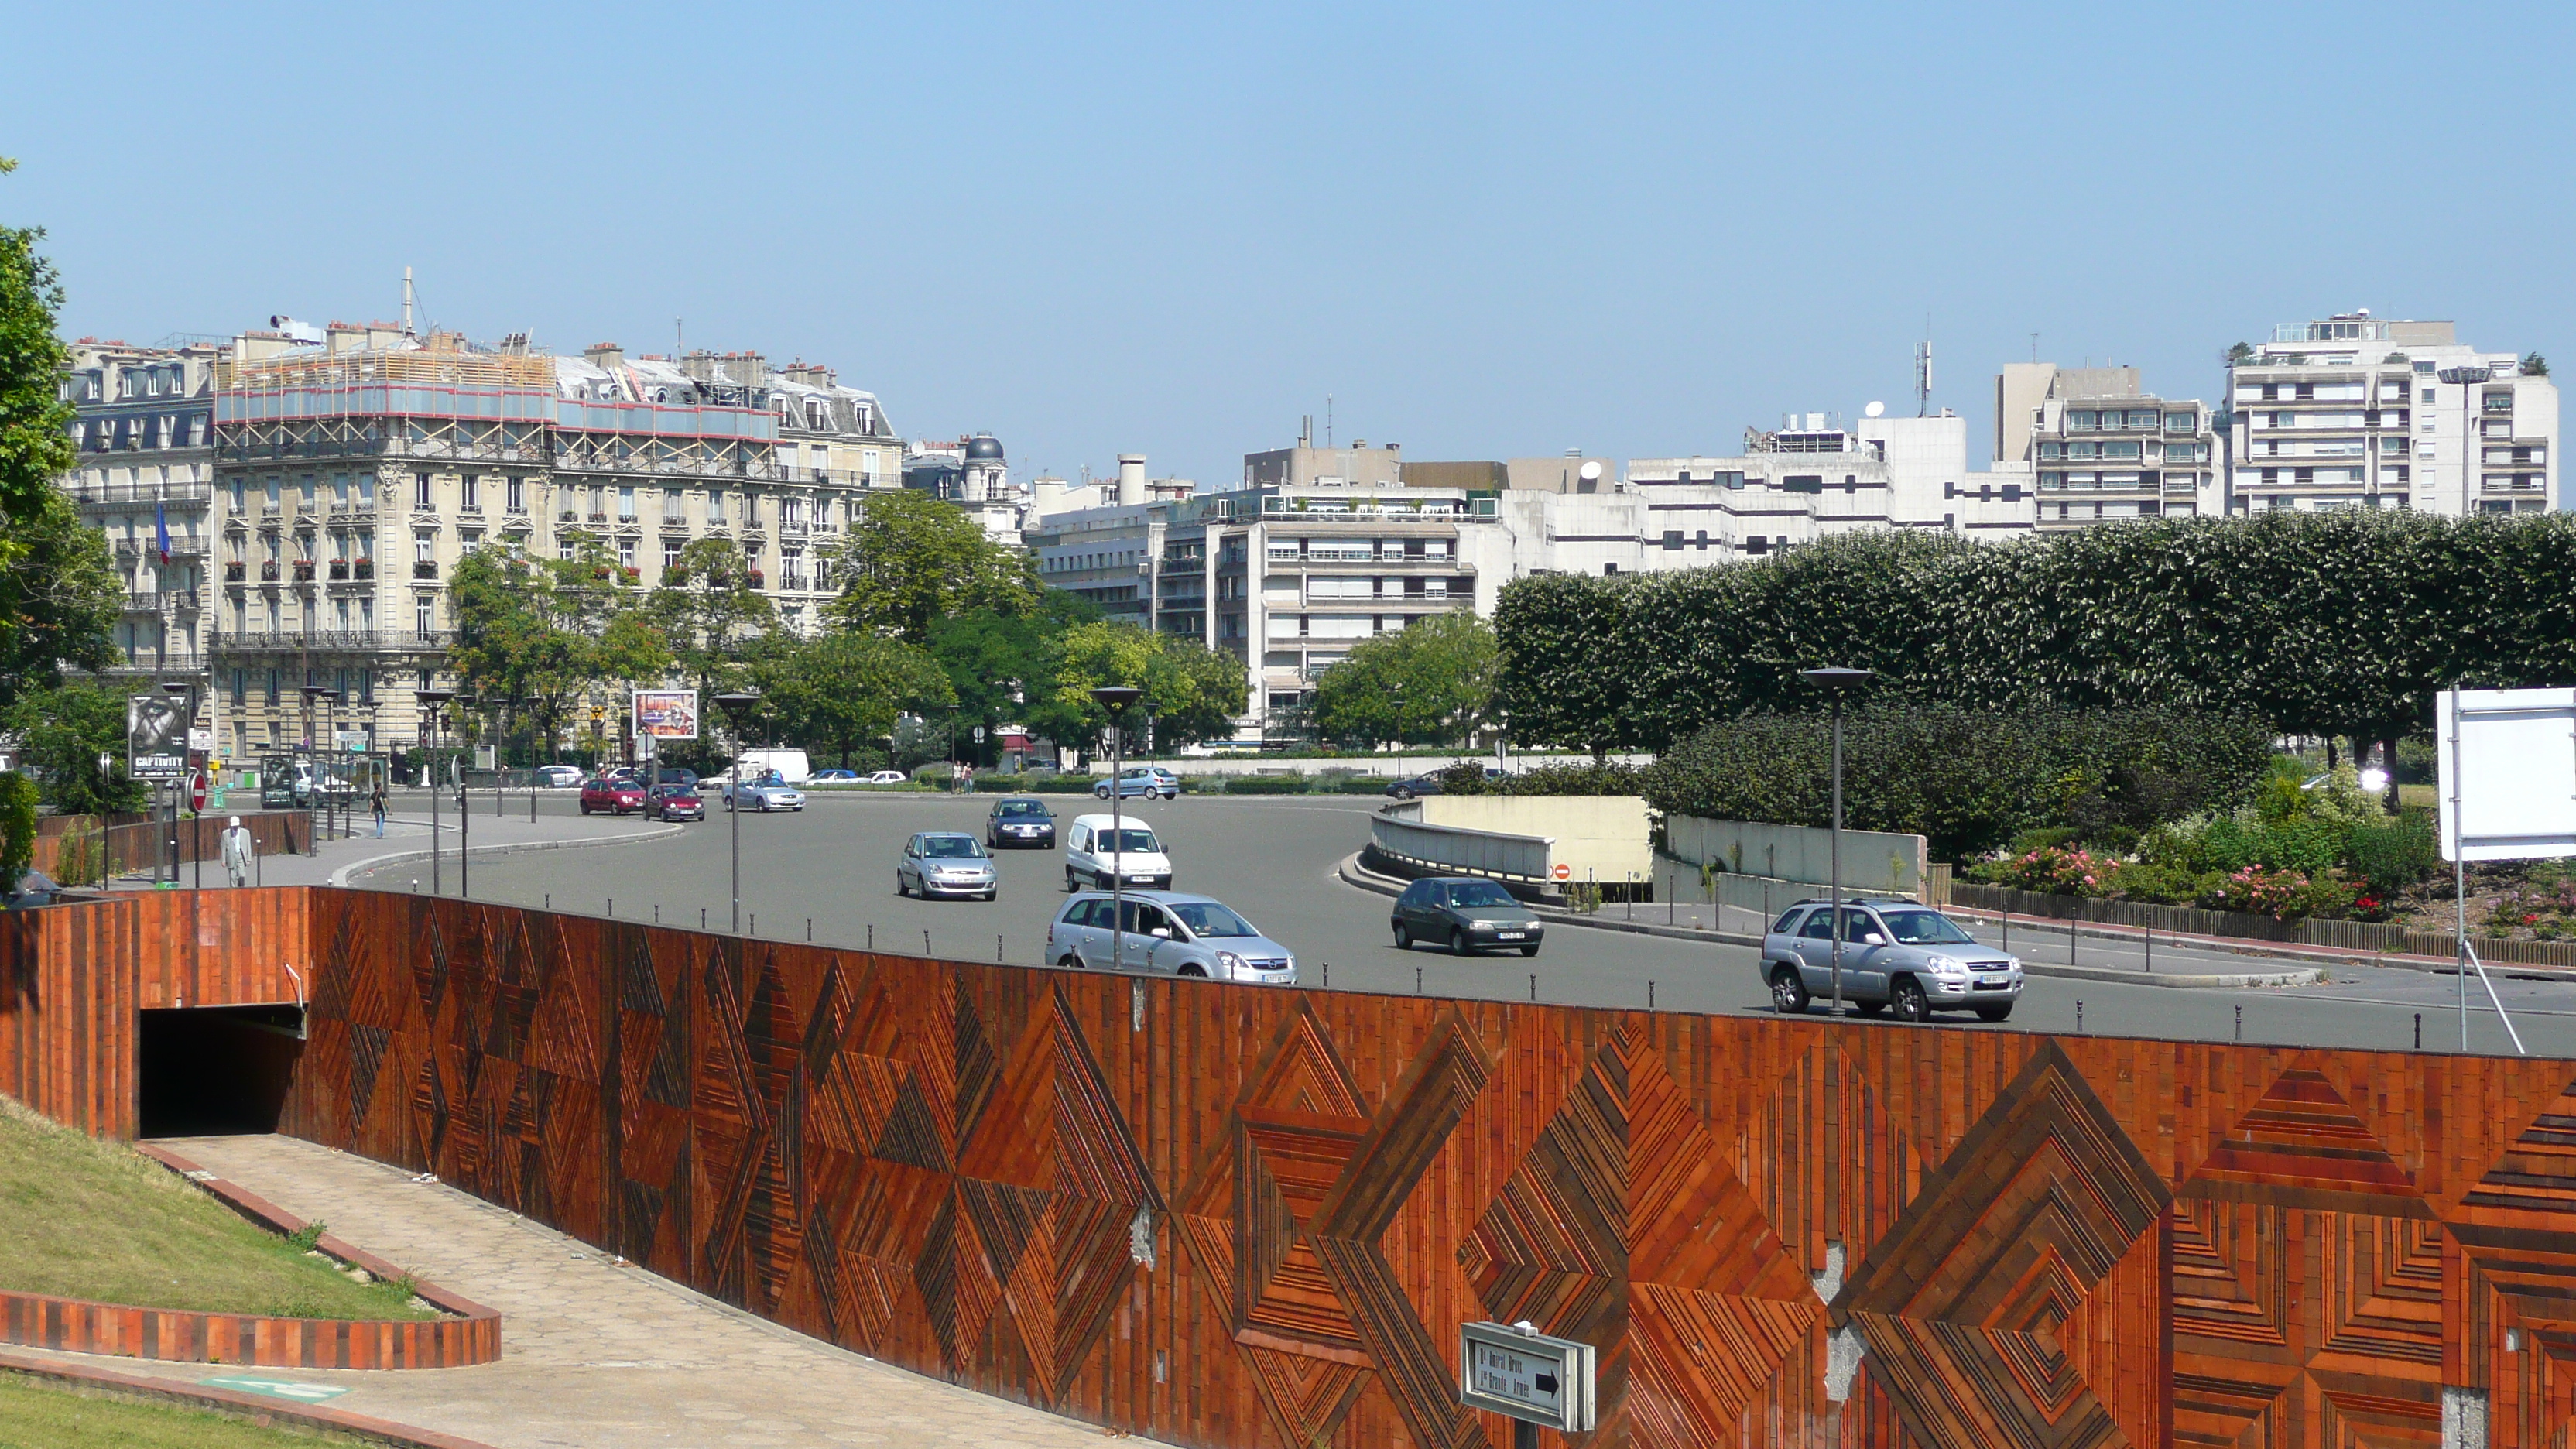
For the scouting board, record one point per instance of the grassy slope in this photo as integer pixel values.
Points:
(41, 1416)
(96, 1220)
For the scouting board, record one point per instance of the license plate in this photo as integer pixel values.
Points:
(1510, 935)
(1994, 980)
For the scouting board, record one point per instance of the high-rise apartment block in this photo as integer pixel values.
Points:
(2101, 448)
(2356, 411)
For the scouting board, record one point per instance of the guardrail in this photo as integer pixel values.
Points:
(1468, 852)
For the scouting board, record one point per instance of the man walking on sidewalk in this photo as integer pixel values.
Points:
(237, 851)
(377, 801)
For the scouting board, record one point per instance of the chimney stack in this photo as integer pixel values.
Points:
(1131, 478)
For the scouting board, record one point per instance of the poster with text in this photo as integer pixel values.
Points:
(666, 714)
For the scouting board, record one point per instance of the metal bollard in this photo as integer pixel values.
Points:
(1533, 986)
(2007, 930)
(2070, 940)
(755, 923)
(925, 940)
(809, 930)
(1417, 981)
(2150, 930)
(997, 950)
(2079, 1018)
(702, 918)
(657, 913)
(2240, 1022)
(2419, 1031)
(872, 935)
(612, 908)
(1650, 994)
(1328, 976)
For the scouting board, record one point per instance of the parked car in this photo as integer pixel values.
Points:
(1468, 913)
(946, 863)
(888, 777)
(675, 802)
(614, 795)
(764, 793)
(1145, 780)
(558, 777)
(1092, 856)
(1412, 786)
(834, 777)
(1020, 820)
(34, 888)
(1167, 934)
(1895, 953)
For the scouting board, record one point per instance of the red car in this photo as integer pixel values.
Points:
(617, 797)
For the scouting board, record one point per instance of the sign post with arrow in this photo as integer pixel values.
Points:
(1514, 1369)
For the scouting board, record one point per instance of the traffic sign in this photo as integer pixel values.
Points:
(197, 792)
(1516, 1370)
(1563, 871)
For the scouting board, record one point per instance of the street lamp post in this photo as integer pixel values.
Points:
(432, 701)
(1117, 699)
(730, 701)
(464, 817)
(1837, 682)
(178, 691)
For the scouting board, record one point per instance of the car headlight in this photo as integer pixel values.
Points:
(1232, 964)
(1946, 965)
(1483, 925)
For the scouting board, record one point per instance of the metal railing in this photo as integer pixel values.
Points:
(1472, 852)
(110, 494)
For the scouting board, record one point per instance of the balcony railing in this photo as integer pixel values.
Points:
(128, 494)
(151, 548)
(268, 571)
(424, 568)
(274, 641)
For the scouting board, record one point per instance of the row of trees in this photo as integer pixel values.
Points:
(934, 623)
(2339, 624)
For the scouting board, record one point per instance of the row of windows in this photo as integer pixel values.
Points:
(151, 430)
(2135, 420)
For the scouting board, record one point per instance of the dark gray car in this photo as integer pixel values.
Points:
(1895, 953)
(1466, 913)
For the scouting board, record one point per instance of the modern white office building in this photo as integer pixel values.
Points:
(2356, 411)
(2105, 450)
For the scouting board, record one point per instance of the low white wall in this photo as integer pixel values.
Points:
(1400, 832)
(1600, 838)
(1871, 860)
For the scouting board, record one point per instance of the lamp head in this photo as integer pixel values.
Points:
(173, 688)
(1836, 680)
(738, 698)
(1116, 698)
(433, 697)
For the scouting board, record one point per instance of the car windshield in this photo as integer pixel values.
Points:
(1479, 893)
(951, 847)
(1207, 918)
(1014, 809)
(1925, 928)
(1138, 840)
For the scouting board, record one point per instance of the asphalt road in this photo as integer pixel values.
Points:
(830, 869)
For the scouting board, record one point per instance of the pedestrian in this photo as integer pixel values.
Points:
(967, 773)
(377, 803)
(237, 851)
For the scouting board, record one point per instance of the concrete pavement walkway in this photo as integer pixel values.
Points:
(595, 1355)
(408, 835)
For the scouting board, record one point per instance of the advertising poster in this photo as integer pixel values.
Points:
(156, 737)
(666, 714)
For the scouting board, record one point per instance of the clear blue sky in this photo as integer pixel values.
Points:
(1485, 230)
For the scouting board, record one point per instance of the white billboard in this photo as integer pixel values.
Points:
(2508, 773)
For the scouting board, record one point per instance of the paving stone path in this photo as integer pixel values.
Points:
(596, 1356)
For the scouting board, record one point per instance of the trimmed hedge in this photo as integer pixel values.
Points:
(1266, 785)
(2340, 623)
(1468, 778)
(1969, 781)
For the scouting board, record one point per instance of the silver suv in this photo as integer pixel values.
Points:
(1895, 953)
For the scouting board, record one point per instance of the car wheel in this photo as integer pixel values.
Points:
(1193, 972)
(1788, 992)
(901, 886)
(994, 894)
(1457, 943)
(1401, 794)
(1072, 962)
(1995, 1013)
(1910, 1005)
(1100, 793)
(1403, 937)
(1529, 950)
(585, 810)
(1070, 884)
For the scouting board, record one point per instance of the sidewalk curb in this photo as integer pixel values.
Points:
(1352, 873)
(259, 1411)
(341, 876)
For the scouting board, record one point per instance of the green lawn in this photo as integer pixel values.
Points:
(2423, 796)
(38, 1415)
(97, 1220)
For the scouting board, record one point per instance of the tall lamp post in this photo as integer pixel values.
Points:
(178, 692)
(1837, 682)
(464, 817)
(432, 703)
(1117, 699)
(733, 701)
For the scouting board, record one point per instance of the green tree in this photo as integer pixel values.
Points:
(59, 597)
(17, 827)
(1003, 666)
(1200, 691)
(2534, 365)
(62, 732)
(1429, 683)
(35, 418)
(550, 630)
(708, 610)
(911, 559)
(837, 694)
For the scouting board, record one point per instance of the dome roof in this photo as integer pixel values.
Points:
(983, 445)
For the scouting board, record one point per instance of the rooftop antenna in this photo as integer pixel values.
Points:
(1923, 372)
(2034, 347)
(408, 298)
(1328, 420)
(679, 340)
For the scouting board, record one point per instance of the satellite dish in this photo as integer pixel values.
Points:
(1589, 472)
(1875, 410)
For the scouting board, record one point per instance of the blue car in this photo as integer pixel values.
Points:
(1148, 781)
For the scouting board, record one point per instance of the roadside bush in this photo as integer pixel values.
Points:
(1360, 785)
(1050, 784)
(2286, 895)
(2395, 853)
(938, 775)
(1266, 785)
(2052, 868)
(1968, 780)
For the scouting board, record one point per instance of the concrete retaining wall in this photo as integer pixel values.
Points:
(1871, 860)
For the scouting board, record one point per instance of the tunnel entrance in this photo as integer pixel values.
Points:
(211, 1070)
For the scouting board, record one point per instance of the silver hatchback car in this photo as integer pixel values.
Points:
(1895, 953)
(1166, 933)
(946, 863)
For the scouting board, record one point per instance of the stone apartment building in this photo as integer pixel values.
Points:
(2356, 411)
(354, 467)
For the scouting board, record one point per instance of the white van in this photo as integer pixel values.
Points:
(791, 766)
(1091, 856)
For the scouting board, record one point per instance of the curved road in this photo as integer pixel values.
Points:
(1273, 859)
